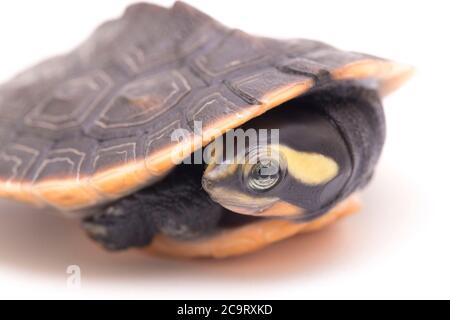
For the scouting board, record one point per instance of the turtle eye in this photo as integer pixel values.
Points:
(264, 175)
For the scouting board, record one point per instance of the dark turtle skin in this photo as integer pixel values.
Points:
(89, 132)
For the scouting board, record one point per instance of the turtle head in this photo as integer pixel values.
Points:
(275, 180)
(325, 150)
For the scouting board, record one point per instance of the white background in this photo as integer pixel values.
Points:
(396, 247)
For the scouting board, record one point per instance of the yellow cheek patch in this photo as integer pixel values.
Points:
(308, 167)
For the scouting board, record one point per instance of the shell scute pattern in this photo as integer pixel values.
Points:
(236, 50)
(211, 105)
(106, 111)
(18, 158)
(70, 103)
(143, 100)
(115, 153)
(255, 86)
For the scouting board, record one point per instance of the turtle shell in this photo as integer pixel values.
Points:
(95, 124)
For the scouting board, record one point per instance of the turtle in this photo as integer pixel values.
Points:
(92, 134)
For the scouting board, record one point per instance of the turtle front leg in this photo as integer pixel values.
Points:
(176, 207)
(121, 225)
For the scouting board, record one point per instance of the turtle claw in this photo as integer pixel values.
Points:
(119, 227)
